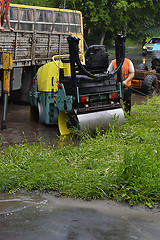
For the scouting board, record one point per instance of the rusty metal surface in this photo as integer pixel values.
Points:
(7, 61)
(7, 64)
(30, 48)
(141, 74)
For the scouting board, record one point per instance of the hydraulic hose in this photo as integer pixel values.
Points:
(120, 51)
(74, 52)
(75, 41)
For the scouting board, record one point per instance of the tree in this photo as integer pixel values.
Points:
(103, 18)
(132, 17)
(143, 19)
(41, 3)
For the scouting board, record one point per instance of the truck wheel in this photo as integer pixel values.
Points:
(142, 66)
(150, 85)
(23, 78)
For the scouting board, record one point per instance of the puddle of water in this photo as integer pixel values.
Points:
(21, 128)
(42, 216)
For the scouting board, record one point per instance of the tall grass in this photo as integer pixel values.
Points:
(122, 163)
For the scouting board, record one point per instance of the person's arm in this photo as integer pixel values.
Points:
(8, 22)
(131, 75)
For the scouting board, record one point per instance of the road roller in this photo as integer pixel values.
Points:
(78, 93)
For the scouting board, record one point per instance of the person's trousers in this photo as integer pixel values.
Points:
(127, 99)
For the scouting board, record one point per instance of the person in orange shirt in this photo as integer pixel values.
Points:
(5, 13)
(127, 75)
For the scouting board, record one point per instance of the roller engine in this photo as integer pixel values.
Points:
(79, 96)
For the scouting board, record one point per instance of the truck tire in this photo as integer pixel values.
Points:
(21, 95)
(150, 85)
(142, 66)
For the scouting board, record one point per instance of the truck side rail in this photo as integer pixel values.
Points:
(39, 33)
(32, 48)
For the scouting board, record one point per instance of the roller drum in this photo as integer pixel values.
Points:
(89, 121)
(100, 119)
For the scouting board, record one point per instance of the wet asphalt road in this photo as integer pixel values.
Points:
(21, 128)
(43, 216)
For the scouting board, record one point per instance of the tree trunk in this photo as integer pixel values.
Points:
(102, 37)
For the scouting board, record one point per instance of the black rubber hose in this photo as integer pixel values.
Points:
(80, 66)
(117, 69)
(98, 76)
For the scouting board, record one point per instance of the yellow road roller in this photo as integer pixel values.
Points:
(77, 95)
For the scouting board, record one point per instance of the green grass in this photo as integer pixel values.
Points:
(122, 163)
(131, 42)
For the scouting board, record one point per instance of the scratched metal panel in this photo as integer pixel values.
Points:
(24, 46)
(64, 47)
(28, 46)
(54, 45)
(41, 46)
(7, 42)
(49, 45)
(19, 44)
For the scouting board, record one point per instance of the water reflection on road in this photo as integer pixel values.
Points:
(43, 216)
(21, 128)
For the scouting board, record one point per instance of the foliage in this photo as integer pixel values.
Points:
(104, 17)
(41, 3)
(122, 163)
